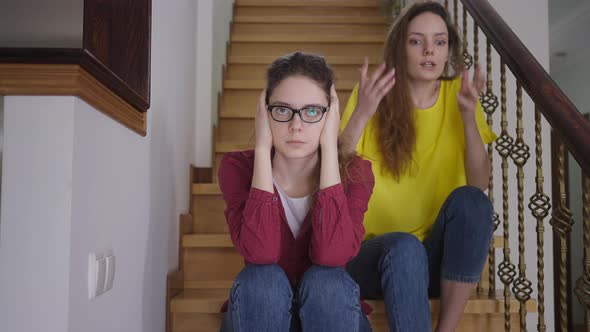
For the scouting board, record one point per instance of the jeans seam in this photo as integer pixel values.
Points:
(460, 278)
(395, 311)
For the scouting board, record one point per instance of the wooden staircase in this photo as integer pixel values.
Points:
(344, 31)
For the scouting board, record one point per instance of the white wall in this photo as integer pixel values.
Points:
(41, 23)
(572, 77)
(36, 214)
(212, 34)
(126, 193)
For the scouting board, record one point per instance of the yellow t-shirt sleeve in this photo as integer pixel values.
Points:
(350, 105)
(486, 133)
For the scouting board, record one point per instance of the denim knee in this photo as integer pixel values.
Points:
(473, 209)
(262, 285)
(404, 252)
(328, 286)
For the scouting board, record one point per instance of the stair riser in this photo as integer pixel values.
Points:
(316, 15)
(244, 103)
(208, 213)
(309, 3)
(236, 130)
(333, 33)
(189, 322)
(258, 72)
(212, 264)
(265, 53)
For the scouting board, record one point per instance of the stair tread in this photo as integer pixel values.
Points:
(211, 300)
(223, 240)
(261, 84)
(242, 103)
(319, 15)
(309, 3)
(307, 32)
(335, 53)
(207, 241)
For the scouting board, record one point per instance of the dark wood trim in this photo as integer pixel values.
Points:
(76, 57)
(117, 35)
(559, 111)
(555, 196)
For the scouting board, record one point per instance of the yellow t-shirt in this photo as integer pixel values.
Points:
(412, 204)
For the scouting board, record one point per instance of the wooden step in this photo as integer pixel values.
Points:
(210, 300)
(194, 322)
(325, 33)
(222, 240)
(257, 72)
(215, 284)
(335, 53)
(318, 15)
(308, 3)
(481, 312)
(249, 84)
(210, 265)
(243, 103)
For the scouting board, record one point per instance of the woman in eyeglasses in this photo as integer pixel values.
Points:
(429, 224)
(294, 207)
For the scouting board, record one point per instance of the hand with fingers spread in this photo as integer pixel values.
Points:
(372, 89)
(262, 127)
(329, 135)
(470, 91)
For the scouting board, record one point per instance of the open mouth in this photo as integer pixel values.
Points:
(428, 64)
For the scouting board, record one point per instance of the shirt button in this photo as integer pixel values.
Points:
(322, 195)
(274, 198)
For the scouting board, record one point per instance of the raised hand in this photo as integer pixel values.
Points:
(262, 127)
(372, 89)
(329, 135)
(470, 91)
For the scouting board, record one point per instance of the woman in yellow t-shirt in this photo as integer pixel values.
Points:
(429, 224)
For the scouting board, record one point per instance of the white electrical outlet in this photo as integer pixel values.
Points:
(101, 273)
(110, 273)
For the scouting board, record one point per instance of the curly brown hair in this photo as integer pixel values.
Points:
(317, 69)
(395, 115)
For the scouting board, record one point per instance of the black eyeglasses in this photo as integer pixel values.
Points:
(309, 114)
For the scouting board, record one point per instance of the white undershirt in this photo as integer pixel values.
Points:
(295, 209)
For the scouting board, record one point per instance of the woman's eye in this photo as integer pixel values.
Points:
(415, 42)
(312, 111)
(441, 42)
(282, 110)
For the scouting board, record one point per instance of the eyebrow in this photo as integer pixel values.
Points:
(421, 34)
(280, 103)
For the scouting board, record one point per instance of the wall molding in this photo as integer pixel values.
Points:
(72, 80)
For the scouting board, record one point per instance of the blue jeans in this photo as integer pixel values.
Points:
(263, 300)
(397, 267)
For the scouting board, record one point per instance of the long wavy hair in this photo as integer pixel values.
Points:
(395, 115)
(317, 69)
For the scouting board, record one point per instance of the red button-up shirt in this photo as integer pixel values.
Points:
(330, 235)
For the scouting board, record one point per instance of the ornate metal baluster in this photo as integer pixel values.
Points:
(456, 14)
(562, 222)
(520, 154)
(539, 204)
(583, 283)
(475, 43)
(489, 103)
(506, 270)
(467, 58)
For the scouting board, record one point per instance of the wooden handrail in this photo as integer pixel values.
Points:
(559, 111)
